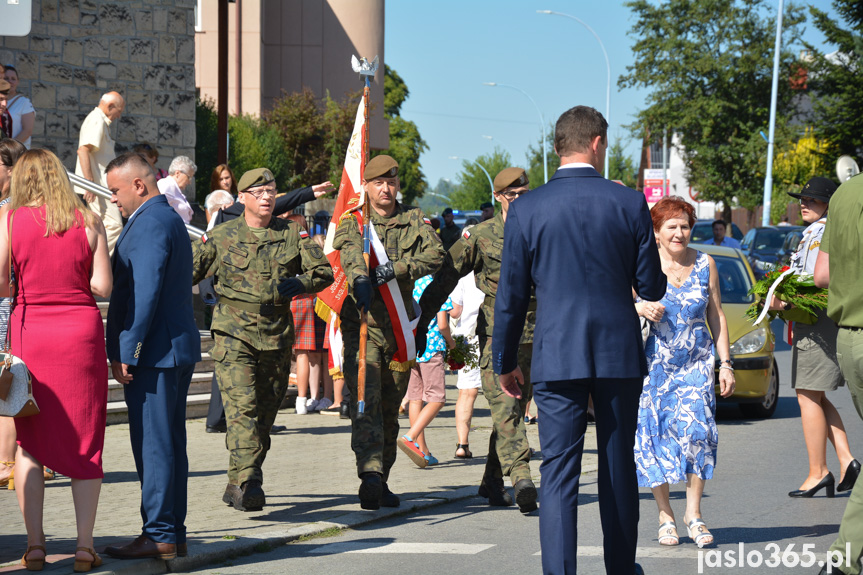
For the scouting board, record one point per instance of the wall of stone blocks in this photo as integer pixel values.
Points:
(79, 49)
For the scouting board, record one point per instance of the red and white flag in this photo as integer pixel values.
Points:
(351, 198)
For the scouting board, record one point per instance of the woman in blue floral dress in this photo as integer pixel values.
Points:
(676, 439)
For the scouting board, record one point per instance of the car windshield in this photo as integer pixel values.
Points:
(734, 282)
(769, 239)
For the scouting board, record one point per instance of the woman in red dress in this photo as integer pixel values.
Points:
(60, 256)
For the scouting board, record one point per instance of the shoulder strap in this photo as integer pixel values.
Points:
(12, 290)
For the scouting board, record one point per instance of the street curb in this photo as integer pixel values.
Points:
(222, 550)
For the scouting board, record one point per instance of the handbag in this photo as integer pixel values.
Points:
(16, 386)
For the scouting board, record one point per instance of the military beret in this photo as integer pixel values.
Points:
(508, 178)
(446, 211)
(818, 188)
(485, 205)
(4, 85)
(381, 167)
(256, 177)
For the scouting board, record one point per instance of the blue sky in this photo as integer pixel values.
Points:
(446, 49)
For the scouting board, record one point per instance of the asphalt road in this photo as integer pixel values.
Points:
(746, 506)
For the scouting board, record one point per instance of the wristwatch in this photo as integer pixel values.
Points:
(786, 305)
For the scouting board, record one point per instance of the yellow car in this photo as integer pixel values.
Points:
(755, 370)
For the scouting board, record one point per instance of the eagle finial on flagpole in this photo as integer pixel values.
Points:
(363, 67)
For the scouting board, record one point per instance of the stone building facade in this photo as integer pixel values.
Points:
(79, 49)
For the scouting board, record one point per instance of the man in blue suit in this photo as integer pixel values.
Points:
(585, 243)
(153, 345)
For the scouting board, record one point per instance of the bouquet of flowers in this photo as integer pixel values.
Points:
(464, 354)
(798, 290)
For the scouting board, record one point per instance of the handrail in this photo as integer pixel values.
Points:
(103, 192)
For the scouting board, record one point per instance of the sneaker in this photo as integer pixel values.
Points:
(431, 459)
(301, 406)
(312, 405)
(324, 403)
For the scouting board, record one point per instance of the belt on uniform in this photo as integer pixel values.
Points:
(259, 308)
(848, 327)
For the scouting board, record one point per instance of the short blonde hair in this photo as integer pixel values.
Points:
(39, 179)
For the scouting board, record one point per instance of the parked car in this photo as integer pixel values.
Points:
(460, 217)
(789, 246)
(763, 247)
(702, 231)
(756, 373)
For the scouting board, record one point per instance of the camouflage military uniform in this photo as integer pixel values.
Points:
(415, 251)
(253, 327)
(479, 250)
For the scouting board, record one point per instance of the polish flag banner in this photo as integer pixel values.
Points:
(350, 198)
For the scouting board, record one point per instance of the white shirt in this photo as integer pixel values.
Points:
(467, 295)
(803, 260)
(576, 165)
(19, 106)
(169, 188)
(95, 132)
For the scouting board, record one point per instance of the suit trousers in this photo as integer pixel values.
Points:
(156, 398)
(563, 405)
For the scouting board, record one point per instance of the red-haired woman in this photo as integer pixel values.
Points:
(676, 439)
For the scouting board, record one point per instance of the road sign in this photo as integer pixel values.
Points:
(653, 185)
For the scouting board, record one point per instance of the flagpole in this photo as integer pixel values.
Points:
(367, 73)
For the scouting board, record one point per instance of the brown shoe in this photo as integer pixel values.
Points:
(143, 547)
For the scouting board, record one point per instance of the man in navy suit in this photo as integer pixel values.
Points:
(585, 243)
(153, 345)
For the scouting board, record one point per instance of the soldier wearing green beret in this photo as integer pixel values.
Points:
(259, 264)
(479, 251)
(413, 250)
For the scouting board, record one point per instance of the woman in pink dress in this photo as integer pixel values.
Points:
(60, 257)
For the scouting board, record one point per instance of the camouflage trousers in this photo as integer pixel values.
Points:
(374, 436)
(508, 450)
(253, 384)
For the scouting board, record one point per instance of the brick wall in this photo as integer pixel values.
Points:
(79, 49)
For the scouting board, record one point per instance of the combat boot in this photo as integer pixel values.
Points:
(389, 499)
(493, 490)
(525, 495)
(249, 497)
(371, 490)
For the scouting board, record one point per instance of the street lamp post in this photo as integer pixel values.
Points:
(487, 175)
(768, 178)
(607, 66)
(541, 122)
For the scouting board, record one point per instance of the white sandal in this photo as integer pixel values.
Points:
(698, 532)
(668, 532)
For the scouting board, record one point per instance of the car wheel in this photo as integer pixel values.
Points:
(767, 406)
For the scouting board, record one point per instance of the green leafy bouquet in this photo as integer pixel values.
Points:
(798, 290)
(464, 354)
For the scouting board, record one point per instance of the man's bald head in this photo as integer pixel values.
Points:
(112, 105)
(131, 181)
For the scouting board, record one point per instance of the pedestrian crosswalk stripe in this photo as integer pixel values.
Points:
(401, 548)
(670, 552)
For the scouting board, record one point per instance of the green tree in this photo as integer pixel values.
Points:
(315, 133)
(435, 200)
(710, 66)
(535, 173)
(206, 146)
(836, 84)
(793, 165)
(406, 144)
(473, 187)
(620, 166)
(255, 144)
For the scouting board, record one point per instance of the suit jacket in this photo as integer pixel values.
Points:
(584, 242)
(150, 318)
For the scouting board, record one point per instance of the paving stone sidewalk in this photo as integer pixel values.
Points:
(309, 478)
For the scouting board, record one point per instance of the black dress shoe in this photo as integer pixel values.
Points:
(278, 428)
(525, 495)
(388, 498)
(494, 490)
(829, 482)
(371, 491)
(218, 428)
(851, 474)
